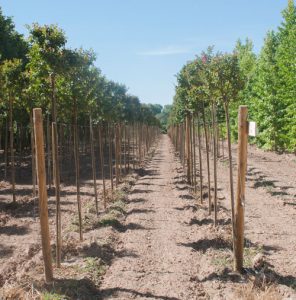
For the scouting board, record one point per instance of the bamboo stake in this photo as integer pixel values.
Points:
(48, 151)
(55, 161)
(240, 194)
(43, 209)
(208, 159)
(110, 138)
(215, 161)
(194, 154)
(77, 171)
(93, 163)
(12, 162)
(6, 149)
(102, 167)
(200, 158)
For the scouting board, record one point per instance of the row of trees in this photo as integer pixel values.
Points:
(42, 72)
(266, 83)
(209, 91)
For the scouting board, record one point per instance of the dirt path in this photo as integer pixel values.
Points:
(158, 266)
(175, 252)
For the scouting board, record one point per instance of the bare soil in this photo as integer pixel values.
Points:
(156, 240)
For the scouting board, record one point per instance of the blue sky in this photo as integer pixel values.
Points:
(144, 43)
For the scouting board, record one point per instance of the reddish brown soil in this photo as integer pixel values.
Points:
(167, 247)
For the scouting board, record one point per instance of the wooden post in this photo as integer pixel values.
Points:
(55, 161)
(43, 210)
(240, 192)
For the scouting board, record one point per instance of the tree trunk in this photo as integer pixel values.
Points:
(77, 170)
(110, 138)
(200, 158)
(55, 156)
(208, 159)
(215, 160)
(102, 167)
(12, 163)
(33, 156)
(93, 163)
(230, 165)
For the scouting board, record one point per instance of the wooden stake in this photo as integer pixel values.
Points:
(240, 194)
(43, 209)
(55, 156)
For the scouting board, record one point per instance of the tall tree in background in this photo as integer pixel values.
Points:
(286, 62)
(265, 107)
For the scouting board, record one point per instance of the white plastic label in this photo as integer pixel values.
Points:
(252, 129)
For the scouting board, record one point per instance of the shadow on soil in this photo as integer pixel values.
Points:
(114, 293)
(140, 211)
(207, 221)
(205, 244)
(5, 251)
(106, 252)
(267, 277)
(14, 230)
(194, 208)
(124, 227)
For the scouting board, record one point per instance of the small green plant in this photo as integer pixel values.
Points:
(108, 220)
(249, 254)
(53, 296)
(223, 259)
(94, 267)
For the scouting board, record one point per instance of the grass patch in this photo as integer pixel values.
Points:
(53, 296)
(249, 254)
(223, 259)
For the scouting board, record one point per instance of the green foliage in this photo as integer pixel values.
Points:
(43, 72)
(267, 84)
(12, 44)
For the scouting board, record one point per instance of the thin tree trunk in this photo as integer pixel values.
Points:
(110, 138)
(48, 151)
(200, 158)
(93, 163)
(12, 166)
(77, 171)
(208, 159)
(194, 154)
(55, 155)
(33, 156)
(102, 167)
(215, 160)
(6, 148)
(230, 166)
